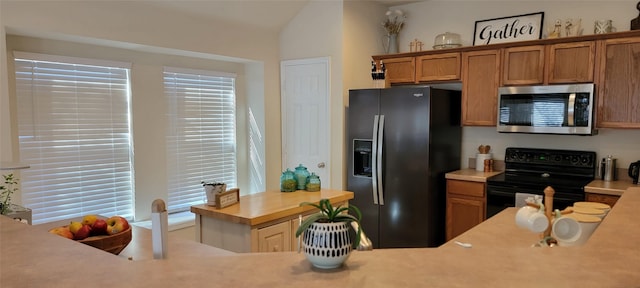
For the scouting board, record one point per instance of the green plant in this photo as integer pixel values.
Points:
(330, 214)
(5, 192)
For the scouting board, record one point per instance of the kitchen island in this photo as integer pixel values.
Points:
(261, 222)
(500, 257)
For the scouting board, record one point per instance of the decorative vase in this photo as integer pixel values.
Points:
(313, 183)
(301, 176)
(288, 182)
(211, 190)
(392, 44)
(327, 245)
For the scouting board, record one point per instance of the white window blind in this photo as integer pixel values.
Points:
(73, 122)
(201, 142)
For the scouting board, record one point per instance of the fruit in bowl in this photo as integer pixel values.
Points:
(112, 234)
(82, 233)
(62, 231)
(99, 227)
(116, 224)
(89, 219)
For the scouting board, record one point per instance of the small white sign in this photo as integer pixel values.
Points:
(508, 29)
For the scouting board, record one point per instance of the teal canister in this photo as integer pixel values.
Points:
(301, 176)
(313, 183)
(288, 182)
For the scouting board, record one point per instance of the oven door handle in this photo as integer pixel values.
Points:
(490, 191)
(558, 197)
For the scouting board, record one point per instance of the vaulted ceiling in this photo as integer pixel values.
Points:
(268, 14)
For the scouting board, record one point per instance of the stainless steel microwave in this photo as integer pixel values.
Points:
(547, 109)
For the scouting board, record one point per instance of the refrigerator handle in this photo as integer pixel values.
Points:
(379, 158)
(374, 157)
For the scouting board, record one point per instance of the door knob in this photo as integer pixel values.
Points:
(321, 165)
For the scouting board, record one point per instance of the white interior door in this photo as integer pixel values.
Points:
(305, 115)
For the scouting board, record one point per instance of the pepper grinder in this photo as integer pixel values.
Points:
(609, 173)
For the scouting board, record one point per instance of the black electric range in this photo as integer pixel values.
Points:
(530, 171)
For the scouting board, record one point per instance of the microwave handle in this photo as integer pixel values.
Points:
(571, 110)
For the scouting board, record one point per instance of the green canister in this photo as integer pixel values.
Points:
(301, 176)
(288, 181)
(313, 183)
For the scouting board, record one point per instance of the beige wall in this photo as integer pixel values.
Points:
(427, 19)
(349, 32)
(316, 31)
(194, 41)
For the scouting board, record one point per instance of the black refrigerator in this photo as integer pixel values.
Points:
(402, 141)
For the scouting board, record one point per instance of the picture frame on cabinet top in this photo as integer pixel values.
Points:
(508, 29)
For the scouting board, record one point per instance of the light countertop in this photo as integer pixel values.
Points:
(500, 257)
(471, 175)
(141, 248)
(263, 207)
(615, 188)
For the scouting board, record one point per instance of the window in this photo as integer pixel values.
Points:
(74, 131)
(201, 142)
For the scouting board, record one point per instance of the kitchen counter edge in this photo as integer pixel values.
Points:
(471, 175)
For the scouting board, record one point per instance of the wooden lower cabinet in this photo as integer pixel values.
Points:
(466, 206)
(275, 238)
(602, 198)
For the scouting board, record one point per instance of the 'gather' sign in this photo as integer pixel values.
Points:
(508, 29)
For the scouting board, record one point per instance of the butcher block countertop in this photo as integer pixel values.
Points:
(471, 175)
(501, 256)
(263, 207)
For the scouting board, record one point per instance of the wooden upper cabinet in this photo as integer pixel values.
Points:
(523, 65)
(618, 83)
(549, 64)
(571, 62)
(480, 81)
(400, 70)
(438, 67)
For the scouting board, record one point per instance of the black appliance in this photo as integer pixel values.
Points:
(402, 141)
(529, 170)
(634, 171)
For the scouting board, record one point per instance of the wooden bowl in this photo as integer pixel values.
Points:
(111, 243)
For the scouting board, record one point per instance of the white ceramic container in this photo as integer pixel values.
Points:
(327, 245)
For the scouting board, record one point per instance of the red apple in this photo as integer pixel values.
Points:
(99, 227)
(116, 224)
(82, 233)
(62, 231)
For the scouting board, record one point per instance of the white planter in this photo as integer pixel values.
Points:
(327, 245)
(212, 190)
